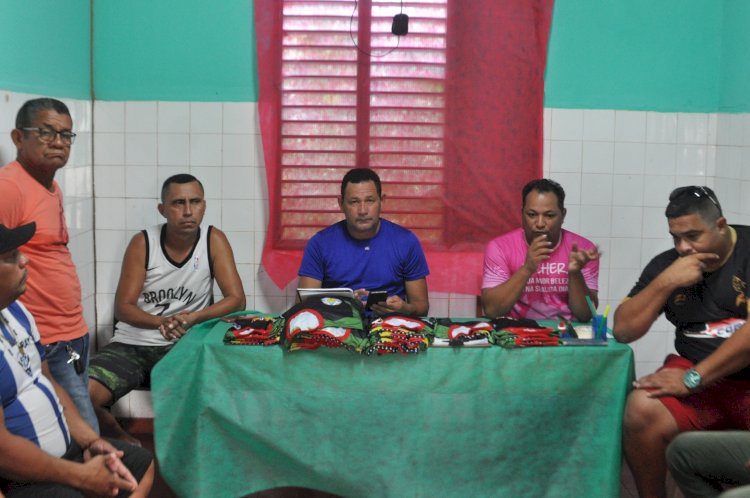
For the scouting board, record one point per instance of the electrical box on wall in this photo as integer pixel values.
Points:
(400, 25)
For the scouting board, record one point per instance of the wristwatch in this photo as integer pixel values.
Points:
(692, 379)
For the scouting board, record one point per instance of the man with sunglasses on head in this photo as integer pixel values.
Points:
(701, 281)
(28, 192)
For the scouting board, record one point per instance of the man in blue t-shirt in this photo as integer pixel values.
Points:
(367, 253)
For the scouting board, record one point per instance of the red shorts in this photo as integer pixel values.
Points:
(722, 405)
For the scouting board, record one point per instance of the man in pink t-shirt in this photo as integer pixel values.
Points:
(540, 270)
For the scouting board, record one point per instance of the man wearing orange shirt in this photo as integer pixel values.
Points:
(29, 193)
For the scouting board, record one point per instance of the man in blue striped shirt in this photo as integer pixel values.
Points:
(46, 448)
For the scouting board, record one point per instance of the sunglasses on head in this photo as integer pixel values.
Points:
(697, 192)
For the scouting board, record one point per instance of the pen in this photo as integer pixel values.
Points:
(591, 306)
(603, 324)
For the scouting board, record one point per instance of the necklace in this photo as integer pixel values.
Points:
(23, 359)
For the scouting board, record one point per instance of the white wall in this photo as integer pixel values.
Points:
(617, 168)
(138, 145)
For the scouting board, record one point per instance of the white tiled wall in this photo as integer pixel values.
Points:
(617, 167)
(76, 183)
(137, 145)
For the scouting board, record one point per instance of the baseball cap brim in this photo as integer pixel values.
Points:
(13, 238)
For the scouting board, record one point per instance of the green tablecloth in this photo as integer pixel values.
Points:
(231, 420)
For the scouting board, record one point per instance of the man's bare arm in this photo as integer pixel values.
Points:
(22, 460)
(499, 300)
(228, 280)
(80, 431)
(419, 301)
(577, 288)
(577, 292)
(308, 283)
(733, 355)
(635, 316)
(130, 286)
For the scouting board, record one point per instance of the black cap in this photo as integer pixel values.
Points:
(13, 238)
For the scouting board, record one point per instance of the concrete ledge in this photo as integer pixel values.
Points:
(135, 404)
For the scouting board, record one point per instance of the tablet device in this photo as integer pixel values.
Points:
(336, 291)
(375, 297)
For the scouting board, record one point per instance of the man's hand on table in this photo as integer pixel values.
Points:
(665, 382)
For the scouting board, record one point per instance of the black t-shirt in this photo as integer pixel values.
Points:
(721, 294)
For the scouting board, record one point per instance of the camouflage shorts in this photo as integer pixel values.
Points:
(124, 367)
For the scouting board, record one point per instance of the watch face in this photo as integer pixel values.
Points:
(692, 379)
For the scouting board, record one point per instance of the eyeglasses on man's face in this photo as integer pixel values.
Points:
(48, 135)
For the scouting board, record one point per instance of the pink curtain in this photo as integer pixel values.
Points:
(489, 110)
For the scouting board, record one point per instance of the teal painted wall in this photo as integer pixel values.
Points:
(668, 55)
(734, 92)
(182, 50)
(637, 54)
(45, 47)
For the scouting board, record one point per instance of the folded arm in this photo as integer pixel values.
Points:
(103, 474)
(635, 316)
(133, 277)
(228, 280)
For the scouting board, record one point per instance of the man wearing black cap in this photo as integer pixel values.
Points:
(46, 448)
(701, 285)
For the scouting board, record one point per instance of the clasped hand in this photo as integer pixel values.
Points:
(174, 327)
(106, 475)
